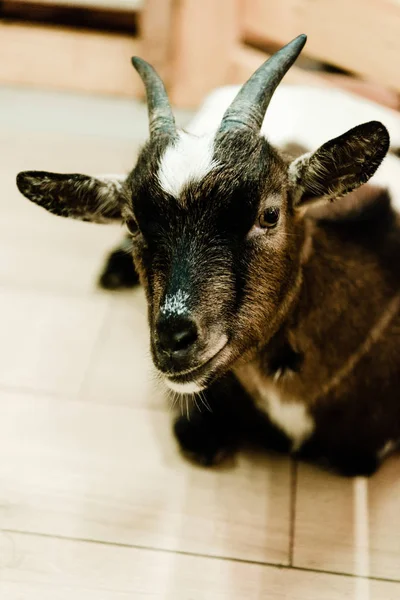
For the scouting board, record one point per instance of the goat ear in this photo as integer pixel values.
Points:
(340, 165)
(96, 199)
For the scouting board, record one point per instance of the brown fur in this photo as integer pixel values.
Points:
(310, 304)
(345, 325)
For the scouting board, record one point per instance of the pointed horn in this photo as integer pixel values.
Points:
(161, 118)
(249, 107)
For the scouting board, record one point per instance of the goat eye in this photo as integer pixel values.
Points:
(269, 217)
(132, 226)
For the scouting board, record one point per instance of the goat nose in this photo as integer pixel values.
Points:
(177, 335)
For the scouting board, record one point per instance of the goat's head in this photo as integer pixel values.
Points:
(216, 221)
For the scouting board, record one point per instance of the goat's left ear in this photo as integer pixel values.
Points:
(97, 199)
(340, 165)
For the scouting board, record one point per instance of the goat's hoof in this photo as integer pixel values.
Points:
(201, 441)
(119, 272)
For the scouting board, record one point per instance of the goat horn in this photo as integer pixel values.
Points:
(249, 107)
(161, 118)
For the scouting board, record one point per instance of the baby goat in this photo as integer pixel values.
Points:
(281, 311)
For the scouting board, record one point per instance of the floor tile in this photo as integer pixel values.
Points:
(111, 473)
(47, 339)
(56, 258)
(57, 569)
(121, 370)
(349, 525)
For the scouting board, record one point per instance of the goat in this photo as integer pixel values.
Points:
(275, 306)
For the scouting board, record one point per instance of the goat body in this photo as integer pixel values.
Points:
(276, 305)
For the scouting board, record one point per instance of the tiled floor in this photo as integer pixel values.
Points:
(95, 501)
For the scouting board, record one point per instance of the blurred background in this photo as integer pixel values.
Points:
(85, 45)
(96, 502)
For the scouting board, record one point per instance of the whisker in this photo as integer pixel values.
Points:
(187, 407)
(171, 397)
(204, 401)
(194, 398)
(175, 399)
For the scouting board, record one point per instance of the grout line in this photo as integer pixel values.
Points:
(200, 555)
(293, 502)
(28, 391)
(53, 292)
(74, 397)
(361, 537)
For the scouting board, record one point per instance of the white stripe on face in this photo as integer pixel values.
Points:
(189, 159)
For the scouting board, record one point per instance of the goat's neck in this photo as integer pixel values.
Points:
(294, 292)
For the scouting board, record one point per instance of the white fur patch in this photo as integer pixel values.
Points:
(175, 304)
(290, 415)
(307, 115)
(310, 116)
(189, 159)
(184, 388)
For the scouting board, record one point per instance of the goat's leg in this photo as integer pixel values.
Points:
(348, 458)
(228, 417)
(119, 271)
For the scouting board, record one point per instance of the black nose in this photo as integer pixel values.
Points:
(176, 335)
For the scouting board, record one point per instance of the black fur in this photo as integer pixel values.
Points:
(119, 271)
(227, 419)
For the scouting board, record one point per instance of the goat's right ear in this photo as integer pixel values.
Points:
(339, 166)
(97, 199)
